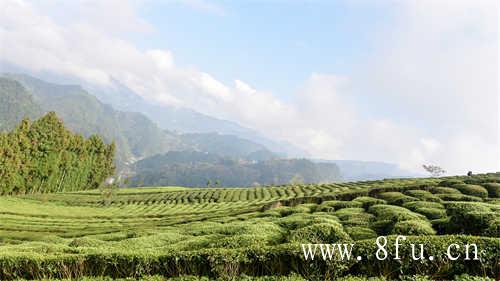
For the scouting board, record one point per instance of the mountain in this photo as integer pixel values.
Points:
(227, 146)
(15, 104)
(135, 135)
(353, 170)
(185, 120)
(195, 169)
(182, 120)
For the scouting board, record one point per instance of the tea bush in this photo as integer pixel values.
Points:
(493, 189)
(473, 190)
(248, 233)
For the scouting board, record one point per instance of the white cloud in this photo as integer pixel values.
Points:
(427, 95)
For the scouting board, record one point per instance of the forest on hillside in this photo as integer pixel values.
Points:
(43, 156)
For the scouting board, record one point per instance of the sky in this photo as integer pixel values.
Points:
(409, 82)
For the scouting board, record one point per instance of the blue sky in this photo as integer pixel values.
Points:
(275, 45)
(410, 82)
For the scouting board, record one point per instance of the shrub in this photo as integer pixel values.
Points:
(493, 189)
(394, 213)
(423, 195)
(354, 216)
(450, 182)
(286, 211)
(396, 198)
(360, 233)
(444, 190)
(432, 213)
(86, 242)
(387, 216)
(473, 190)
(301, 220)
(442, 225)
(432, 210)
(360, 278)
(471, 218)
(467, 277)
(493, 229)
(319, 233)
(414, 206)
(416, 278)
(332, 206)
(414, 227)
(459, 197)
(367, 202)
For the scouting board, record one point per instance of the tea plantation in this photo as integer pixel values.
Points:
(253, 233)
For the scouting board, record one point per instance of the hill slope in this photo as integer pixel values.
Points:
(134, 134)
(223, 233)
(15, 104)
(191, 168)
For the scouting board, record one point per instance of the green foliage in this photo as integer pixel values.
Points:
(473, 190)
(416, 227)
(242, 234)
(480, 218)
(43, 157)
(16, 103)
(396, 198)
(459, 197)
(423, 195)
(367, 202)
(195, 169)
(432, 210)
(493, 189)
(319, 233)
(333, 205)
(444, 190)
(450, 182)
(360, 233)
(134, 134)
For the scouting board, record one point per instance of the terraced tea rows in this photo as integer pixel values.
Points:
(255, 231)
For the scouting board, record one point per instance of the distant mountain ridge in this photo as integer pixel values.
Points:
(16, 103)
(135, 135)
(199, 169)
(138, 137)
(184, 120)
(355, 170)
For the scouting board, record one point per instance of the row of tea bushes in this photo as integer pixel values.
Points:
(284, 259)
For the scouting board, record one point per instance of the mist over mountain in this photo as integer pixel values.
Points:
(139, 136)
(135, 135)
(198, 169)
(185, 120)
(355, 170)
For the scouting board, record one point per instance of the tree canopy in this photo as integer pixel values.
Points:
(43, 156)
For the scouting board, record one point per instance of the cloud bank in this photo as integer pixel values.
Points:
(427, 94)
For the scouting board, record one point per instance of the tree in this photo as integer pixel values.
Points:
(434, 170)
(43, 156)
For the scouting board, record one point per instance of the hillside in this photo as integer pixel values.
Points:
(134, 134)
(227, 146)
(255, 231)
(137, 137)
(15, 104)
(185, 120)
(195, 169)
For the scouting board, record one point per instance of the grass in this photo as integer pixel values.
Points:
(224, 233)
